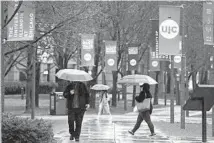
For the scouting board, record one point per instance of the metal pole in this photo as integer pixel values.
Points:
(148, 61)
(211, 80)
(182, 90)
(187, 91)
(172, 83)
(204, 124)
(124, 87)
(161, 85)
(2, 60)
(33, 83)
(1, 65)
(213, 121)
(134, 91)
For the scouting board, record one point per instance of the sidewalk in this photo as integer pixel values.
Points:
(107, 130)
(115, 130)
(95, 131)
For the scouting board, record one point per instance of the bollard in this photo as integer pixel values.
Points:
(22, 93)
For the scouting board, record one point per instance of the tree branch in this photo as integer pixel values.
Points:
(12, 64)
(14, 13)
(60, 24)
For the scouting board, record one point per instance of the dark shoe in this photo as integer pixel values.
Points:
(71, 137)
(153, 134)
(132, 133)
(77, 139)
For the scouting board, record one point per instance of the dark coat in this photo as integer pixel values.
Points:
(83, 95)
(142, 96)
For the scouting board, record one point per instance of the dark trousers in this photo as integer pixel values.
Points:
(75, 116)
(144, 116)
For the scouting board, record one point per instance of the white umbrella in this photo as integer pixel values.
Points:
(137, 79)
(73, 75)
(100, 87)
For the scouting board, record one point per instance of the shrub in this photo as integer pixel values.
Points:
(14, 87)
(25, 130)
(46, 87)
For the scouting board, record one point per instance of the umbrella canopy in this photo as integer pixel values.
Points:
(137, 79)
(100, 87)
(73, 75)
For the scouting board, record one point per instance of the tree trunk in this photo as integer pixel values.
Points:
(134, 94)
(29, 80)
(114, 88)
(37, 83)
(93, 95)
(156, 89)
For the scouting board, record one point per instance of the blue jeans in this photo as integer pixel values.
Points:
(144, 116)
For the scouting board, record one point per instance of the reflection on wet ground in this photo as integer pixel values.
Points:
(106, 130)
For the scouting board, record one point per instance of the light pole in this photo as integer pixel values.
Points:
(1, 65)
(183, 70)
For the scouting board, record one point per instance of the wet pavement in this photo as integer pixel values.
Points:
(107, 130)
(115, 130)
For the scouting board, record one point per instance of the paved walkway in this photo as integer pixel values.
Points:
(114, 130)
(107, 130)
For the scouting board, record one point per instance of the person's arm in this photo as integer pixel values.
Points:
(66, 92)
(141, 97)
(86, 92)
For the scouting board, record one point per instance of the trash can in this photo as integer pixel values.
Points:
(52, 103)
(57, 104)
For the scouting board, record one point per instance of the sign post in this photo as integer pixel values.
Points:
(22, 28)
(1, 70)
(202, 100)
(183, 72)
(208, 34)
(169, 42)
(132, 66)
(172, 83)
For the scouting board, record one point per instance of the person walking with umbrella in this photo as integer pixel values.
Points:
(103, 103)
(104, 100)
(144, 115)
(77, 97)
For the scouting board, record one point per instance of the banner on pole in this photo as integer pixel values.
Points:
(154, 65)
(177, 58)
(110, 55)
(177, 62)
(208, 21)
(155, 42)
(87, 51)
(22, 26)
(169, 30)
(133, 58)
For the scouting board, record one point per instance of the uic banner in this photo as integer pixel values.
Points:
(22, 26)
(155, 42)
(169, 31)
(87, 51)
(154, 65)
(133, 58)
(208, 21)
(110, 55)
